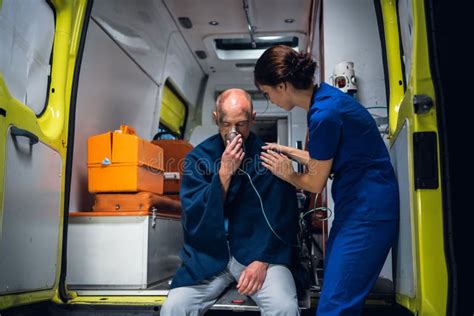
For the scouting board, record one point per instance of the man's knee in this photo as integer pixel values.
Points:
(278, 296)
(287, 306)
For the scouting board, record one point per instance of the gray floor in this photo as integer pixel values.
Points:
(380, 302)
(50, 309)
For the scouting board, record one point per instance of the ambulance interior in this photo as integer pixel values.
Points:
(157, 67)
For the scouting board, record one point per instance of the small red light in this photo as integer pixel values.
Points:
(341, 82)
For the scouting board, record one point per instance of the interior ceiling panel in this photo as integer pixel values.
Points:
(268, 17)
(271, 15)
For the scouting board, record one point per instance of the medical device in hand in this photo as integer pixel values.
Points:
(229, 136)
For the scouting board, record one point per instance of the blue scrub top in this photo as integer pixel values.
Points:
(340, 128)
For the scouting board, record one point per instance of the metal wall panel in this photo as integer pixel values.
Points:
(147, 33)
(351, 34)
(182, 68)
(113, 90)
(140, 27)
(405, 274)
(31, 217)
(130, 50)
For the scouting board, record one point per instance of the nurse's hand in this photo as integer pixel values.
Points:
(252, 278)
(278, 164)
(276, 148)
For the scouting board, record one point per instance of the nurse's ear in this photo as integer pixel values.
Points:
(281, 87)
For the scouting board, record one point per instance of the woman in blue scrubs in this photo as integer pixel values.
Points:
(344, 141)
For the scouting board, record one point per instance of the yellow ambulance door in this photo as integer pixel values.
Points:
(421, 279)
(39, 44)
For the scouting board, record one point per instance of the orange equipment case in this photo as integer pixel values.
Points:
(120, 161)
(174, 153)
(137, 202)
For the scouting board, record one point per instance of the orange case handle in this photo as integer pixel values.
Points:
(125, 129)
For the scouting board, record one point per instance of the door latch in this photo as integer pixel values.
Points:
(422, 103)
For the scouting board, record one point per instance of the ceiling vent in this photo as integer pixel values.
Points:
(185, 22)
(245, 65)
(262, 42)
(201, 54)
(242, 48)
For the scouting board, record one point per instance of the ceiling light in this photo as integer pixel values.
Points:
(289, 20)
(214, 23)
(270, 38)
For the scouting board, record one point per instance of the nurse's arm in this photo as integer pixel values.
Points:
(314, 180)
(299, 155)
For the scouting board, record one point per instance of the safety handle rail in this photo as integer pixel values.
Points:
(19, 132)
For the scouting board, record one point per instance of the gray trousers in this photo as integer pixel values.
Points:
(276, 297)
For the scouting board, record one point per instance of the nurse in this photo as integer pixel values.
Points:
(344, 142)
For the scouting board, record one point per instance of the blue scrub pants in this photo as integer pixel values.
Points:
(356, 252)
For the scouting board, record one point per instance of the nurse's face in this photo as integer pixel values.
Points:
(278, 95)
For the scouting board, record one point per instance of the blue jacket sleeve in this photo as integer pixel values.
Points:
(202, 203)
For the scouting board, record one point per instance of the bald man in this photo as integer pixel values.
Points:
(239, 221)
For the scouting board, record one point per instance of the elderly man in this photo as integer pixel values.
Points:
(239, 221)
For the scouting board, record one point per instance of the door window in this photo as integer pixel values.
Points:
(26, 37)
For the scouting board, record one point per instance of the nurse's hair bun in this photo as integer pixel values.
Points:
(302, 70)
(281, 63)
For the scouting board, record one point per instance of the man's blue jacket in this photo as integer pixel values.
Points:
(248, 237)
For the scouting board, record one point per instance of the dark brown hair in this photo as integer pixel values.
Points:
(281, 63)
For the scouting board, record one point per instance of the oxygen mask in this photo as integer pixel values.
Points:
(230, 135)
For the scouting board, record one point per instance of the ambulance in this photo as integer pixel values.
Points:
(87, 86)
